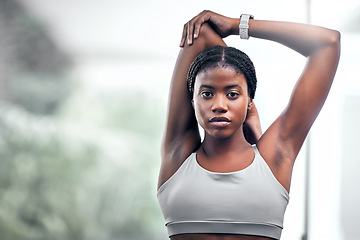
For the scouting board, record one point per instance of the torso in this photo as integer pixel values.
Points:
(247, 156)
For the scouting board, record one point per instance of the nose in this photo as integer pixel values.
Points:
(219, 105)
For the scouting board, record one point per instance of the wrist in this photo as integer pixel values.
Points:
(235, 26)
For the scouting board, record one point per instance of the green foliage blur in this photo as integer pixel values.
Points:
(62, 178)
(74, 164)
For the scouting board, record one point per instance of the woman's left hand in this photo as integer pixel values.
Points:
(224, 26)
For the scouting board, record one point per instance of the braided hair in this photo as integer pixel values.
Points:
(220, 56)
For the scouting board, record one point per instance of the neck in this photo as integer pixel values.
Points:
(215, 146)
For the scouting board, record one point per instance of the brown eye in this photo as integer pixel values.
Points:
(206, 94)
(233, 94)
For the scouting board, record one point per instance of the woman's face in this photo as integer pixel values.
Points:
(220, 101)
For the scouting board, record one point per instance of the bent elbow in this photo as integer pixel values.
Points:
(333, 41)
(205, 31)
(209, 37)
(336, 37)
(337, 42)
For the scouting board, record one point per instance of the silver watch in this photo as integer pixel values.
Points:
(244, 25)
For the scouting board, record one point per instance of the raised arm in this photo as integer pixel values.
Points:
(281, 143)
(321, 46)
(181, 136)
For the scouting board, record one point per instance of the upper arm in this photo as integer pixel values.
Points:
(181, 123)
(308, 96)
(181, 136)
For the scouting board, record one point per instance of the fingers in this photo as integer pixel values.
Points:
(190, 33)
(192, 28)
(187, 35)
(183, 37)
(197, 30)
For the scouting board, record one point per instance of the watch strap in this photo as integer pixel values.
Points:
(244, 25)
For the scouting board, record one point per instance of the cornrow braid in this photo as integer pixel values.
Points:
(220, 56)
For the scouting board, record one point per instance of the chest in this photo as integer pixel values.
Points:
(245, 195)
(226, 164)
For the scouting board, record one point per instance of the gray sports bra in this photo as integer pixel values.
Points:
(250, 201)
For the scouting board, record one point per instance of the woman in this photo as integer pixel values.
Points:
(234, 184)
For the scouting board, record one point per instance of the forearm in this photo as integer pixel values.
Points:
(252, 128)
(305, 39)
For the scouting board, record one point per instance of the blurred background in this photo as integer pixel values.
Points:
(83, 95)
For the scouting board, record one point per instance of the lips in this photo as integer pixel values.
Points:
(219, 121)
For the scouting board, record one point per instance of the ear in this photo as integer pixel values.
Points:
(250, 103)
(192, 103)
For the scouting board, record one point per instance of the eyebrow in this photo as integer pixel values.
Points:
(206, 86)
(233, 86)
(227, 87)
